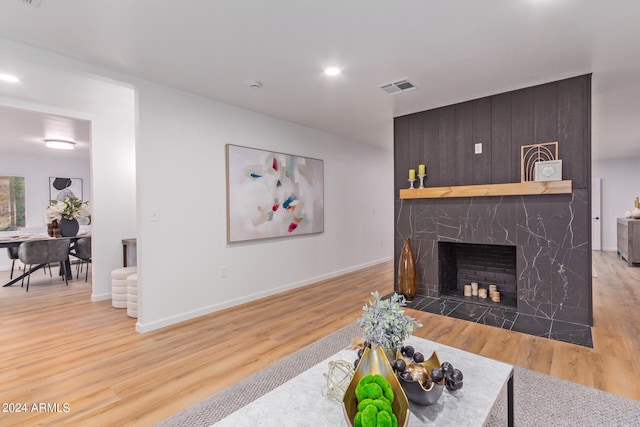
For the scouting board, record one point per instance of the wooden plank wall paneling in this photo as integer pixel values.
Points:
(431, 145)
(521, 127)
(545, 113)
(500, 144)
(415, 138)
(444, 138)
(464, 143)
(481, 122)
(448, 153)
(574, 130)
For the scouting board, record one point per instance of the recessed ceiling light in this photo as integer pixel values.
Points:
(332, 71)
(9, 78)
(59, 144)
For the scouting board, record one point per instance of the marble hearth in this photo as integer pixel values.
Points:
(553, 259)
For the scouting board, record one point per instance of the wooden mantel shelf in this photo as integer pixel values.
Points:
(487, 190)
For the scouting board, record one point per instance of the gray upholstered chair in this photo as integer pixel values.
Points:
(82, 251)
(43, 252)
(12, 252)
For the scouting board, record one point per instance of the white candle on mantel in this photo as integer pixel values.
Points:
(421, 169)
(412, 174)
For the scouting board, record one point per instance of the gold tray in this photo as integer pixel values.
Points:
(374, 361)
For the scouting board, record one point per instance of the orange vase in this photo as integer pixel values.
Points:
(407, 276)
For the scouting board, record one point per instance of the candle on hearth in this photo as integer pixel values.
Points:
(412, 174)
(482, 292)
(467, 290)
(421, 170)
(495, 297)
(492, 289)
(474, 289)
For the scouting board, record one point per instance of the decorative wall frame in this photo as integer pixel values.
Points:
(60, 187)
(534, 153)
(271, 194)
(548, 170)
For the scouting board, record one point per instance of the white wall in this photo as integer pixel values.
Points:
(37, 170)
(181, 172)
(620, 187)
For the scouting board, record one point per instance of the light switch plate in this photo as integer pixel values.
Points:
(155, 215)
(478, 148)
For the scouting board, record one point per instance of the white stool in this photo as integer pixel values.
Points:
(119, 286)
(132, 295)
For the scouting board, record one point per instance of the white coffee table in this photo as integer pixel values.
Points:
(302, 401)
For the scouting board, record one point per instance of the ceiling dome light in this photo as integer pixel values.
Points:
(59, 144)
(332, 71)
(9, 78)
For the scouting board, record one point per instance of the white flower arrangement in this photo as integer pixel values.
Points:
(70, 208)
(384, 323)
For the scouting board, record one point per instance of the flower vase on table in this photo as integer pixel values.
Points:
(66, 212)
(68, 227)
(385, 325)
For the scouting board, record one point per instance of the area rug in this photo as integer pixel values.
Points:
(540, 400)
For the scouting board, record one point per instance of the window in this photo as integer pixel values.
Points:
(12, 203)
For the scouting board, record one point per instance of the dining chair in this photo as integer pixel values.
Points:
(12, 252)
(43, 252)
(82, 251)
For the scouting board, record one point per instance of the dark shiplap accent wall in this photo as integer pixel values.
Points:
(444, 138)
(552, 233)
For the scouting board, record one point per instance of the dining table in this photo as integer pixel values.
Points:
(17, 240)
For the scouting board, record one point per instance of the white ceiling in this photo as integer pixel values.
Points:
(24, 131)
(452, 50)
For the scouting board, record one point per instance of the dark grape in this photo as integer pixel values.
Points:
(428, 385)
(399, 365)
(437, 375)
(447, 368)
(406, 375)
(407, 351)
(456, 375)
(355, 364)
(418, 357)
(360, 352)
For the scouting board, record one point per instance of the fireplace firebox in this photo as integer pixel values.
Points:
(464, 263)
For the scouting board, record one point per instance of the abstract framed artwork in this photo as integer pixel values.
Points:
(60, 188)
(271, 194)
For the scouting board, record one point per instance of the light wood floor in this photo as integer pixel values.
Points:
(57, 347)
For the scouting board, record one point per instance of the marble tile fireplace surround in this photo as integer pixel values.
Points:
(552, 258)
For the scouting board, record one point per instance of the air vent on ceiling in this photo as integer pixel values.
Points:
(34, 3)
(403, 85)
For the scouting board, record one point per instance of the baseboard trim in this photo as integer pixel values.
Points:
(614, 249)
(100, 297)
(171, 320)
